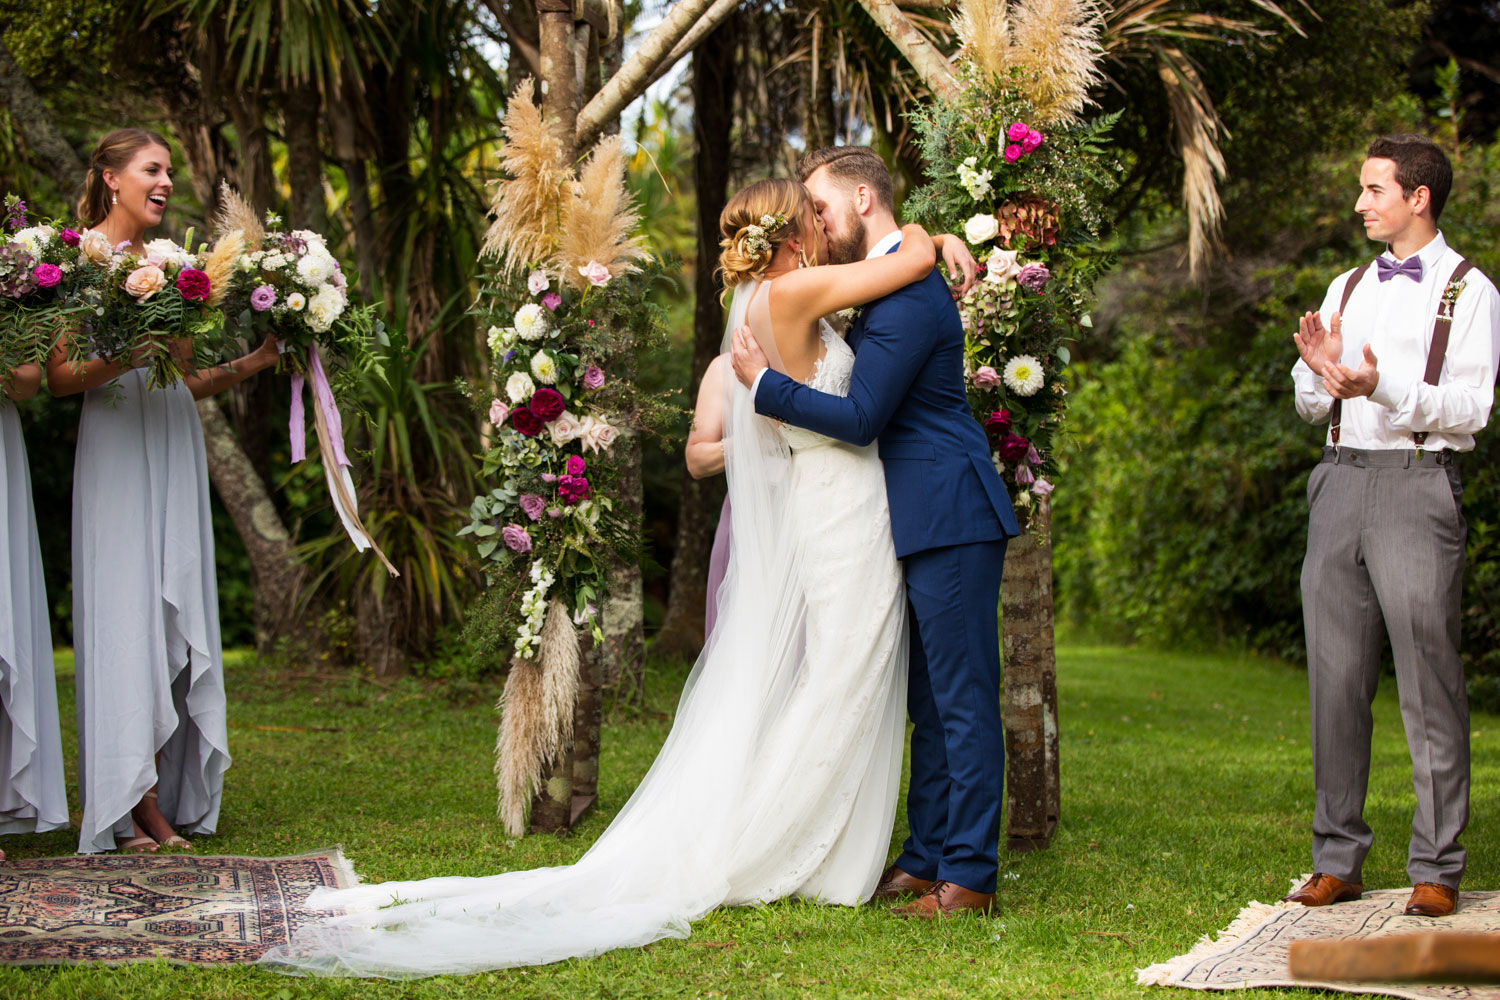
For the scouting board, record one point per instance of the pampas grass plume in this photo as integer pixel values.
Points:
(599, 218)
(518, 761)
(525, 206)
(983, 27)
(220, 264)
(235, 214)
(1056, 44)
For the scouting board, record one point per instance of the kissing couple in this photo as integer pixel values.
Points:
(869, 534)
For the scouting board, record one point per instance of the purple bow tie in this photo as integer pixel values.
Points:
(1387, 268)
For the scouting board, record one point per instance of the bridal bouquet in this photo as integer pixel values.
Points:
(290, 285)
(150, 308)
(1012, 166)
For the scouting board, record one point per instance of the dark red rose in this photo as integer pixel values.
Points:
(547, 404)
(525, 422)
(573, 489)
(1012, 448)
(193, 284)
(998, 423)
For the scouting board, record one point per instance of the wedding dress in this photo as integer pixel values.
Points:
(781, 772)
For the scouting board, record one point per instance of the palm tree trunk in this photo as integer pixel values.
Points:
(1032, 779)
(301, 113)
(697, 512)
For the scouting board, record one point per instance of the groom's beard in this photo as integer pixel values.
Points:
(851, 246)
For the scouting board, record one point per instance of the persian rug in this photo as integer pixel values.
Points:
(1252, 951)
(185, 908)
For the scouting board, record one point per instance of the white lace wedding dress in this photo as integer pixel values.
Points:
(781, 772)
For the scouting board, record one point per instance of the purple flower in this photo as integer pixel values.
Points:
(47, 275)
(509, 356)
(576, 466)
(15, 213)
(1024, 475)
(1017, 131)
(69, 237)
(593, 377)
(552, 300)
(533, 505)
(1012, 153)
(1034, 277)
(548, 477)
(516, 538)
(1041, 487)
(554, 512)
(263, 298)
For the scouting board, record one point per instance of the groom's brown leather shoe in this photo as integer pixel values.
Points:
(1320, 890)
(945, 899)
(895, 883)
(1429, 899)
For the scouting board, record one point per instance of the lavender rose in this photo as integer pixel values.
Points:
(593, 377)
(263, 298)
(1034, 277)
(533, 506)
(516, 538)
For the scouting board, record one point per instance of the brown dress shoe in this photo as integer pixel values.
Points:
(1320, 890)
(945, 899)
(1430, 899)
(895, 883)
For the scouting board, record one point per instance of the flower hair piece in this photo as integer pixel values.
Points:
(756, 240)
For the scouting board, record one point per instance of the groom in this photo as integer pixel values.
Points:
(950, 518)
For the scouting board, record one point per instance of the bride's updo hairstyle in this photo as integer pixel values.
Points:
(747, 244)
(114, 152)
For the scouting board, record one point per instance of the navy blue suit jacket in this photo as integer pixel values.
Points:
(908, 392)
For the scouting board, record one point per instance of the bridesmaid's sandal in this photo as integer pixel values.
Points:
(172, 839)
(176, 841)
(139, 845)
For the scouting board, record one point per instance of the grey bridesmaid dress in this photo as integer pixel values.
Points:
(150, 674)
(33, 796)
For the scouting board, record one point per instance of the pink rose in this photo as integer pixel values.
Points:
(145, 281)
(597, 434)
(70, 237)
(552, 300)
(1024, 475)
(498, 412)
(593, 377)
(986, 377)
(575, 465)
(1017, 131)
(1032, 140)
(533, 506)
(516, 538)
(554, 512)
(1041, 487)
(1012, 153)
(47, 275)
(536, 282)
(573, 489)
(596, 272)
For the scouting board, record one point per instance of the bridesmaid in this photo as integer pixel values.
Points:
(152, 734)
(705, 457)
(32, 795)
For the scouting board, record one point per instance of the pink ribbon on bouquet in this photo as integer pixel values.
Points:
(330, 430)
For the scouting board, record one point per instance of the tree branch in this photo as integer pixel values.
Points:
(515, 39)
(931, 65)
(636, 75)
(716, 15)
(58, 159)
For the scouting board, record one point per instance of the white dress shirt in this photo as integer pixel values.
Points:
(882, 246)
(1395, 318)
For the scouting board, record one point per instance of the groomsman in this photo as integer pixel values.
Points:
(1404, 374)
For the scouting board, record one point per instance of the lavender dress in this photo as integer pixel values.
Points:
(146, 614)
(33, 798)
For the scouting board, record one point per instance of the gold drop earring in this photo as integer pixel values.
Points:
(802, 260)
(114, 199)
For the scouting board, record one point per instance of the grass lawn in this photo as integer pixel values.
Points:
(1187, 790)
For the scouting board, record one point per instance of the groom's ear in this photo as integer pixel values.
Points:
(864, 199)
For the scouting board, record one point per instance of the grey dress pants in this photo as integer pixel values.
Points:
(1385, 542)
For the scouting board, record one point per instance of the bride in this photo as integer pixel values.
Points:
(781, 772)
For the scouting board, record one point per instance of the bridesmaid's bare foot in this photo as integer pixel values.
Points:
(149, 816)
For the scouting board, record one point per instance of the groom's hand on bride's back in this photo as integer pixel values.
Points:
(749, 359)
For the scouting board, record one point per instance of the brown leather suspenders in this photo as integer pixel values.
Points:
(1441, 327)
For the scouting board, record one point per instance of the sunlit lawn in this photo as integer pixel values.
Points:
(1187, 791)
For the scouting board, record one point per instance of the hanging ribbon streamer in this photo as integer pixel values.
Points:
(330, 430)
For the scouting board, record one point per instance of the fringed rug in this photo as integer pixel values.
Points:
(1252, 951)
(180, 907)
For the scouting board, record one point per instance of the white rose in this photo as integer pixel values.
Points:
(981, 228)
(1002, 267)
(312, 239)
(315, 268)
(95, 246)
(326, 306)
(564, 429)
(519, 387)
(169, 252)
(531, 321)
(296, 301)
(544, 367)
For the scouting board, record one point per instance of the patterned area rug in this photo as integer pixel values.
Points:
(1252, 951)
(180, 907)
